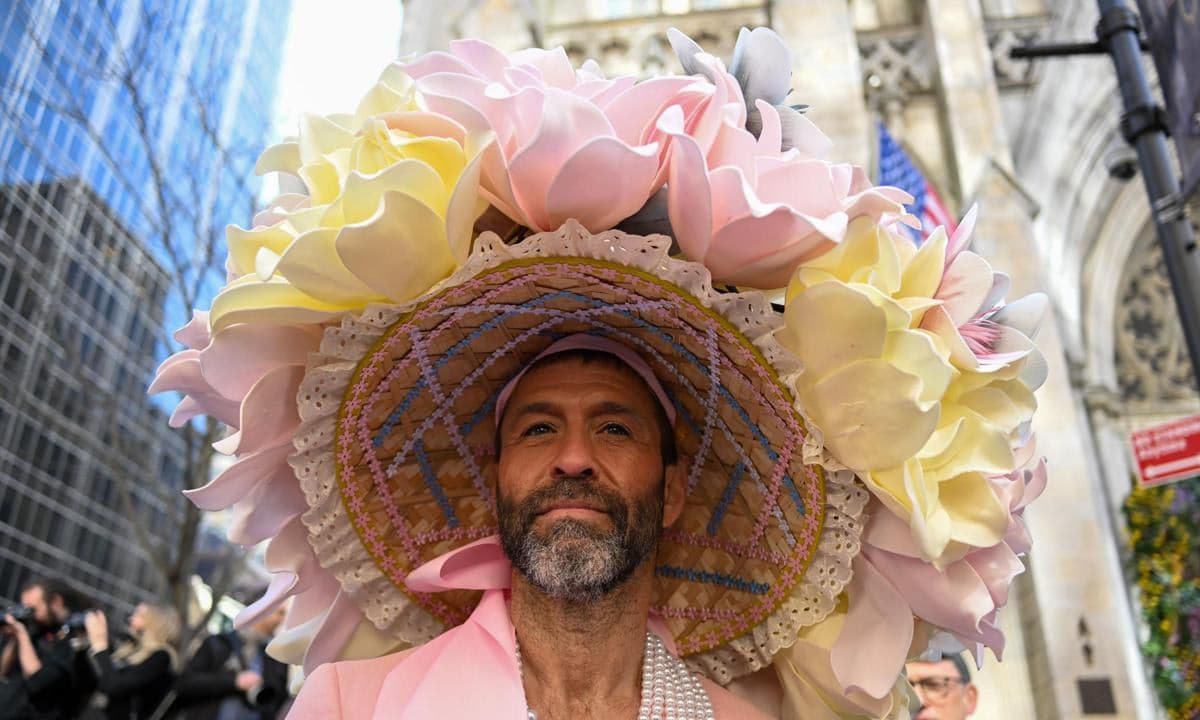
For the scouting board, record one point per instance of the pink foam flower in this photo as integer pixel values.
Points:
(569, 143)
(753, 213)
(962, 597)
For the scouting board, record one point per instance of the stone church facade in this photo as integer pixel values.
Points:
(1036, 146)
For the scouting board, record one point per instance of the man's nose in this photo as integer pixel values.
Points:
(575, 455)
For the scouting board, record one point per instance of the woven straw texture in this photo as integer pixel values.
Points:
(395, 451)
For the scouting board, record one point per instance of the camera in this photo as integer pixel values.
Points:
(73, 625)
(23, 615)
(261, 696)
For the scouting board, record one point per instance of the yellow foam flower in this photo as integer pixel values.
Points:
(872, 380)
(923, 435)
(392, 199)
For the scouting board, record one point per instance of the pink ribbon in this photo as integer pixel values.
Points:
(470, 670)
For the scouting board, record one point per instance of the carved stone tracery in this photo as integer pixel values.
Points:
(1153, 367)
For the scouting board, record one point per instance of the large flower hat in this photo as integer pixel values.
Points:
(859, 459)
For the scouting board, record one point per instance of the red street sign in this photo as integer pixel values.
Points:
(1169, 452)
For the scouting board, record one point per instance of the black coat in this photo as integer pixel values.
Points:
(132, 692)
(58, 691)
(210, 676)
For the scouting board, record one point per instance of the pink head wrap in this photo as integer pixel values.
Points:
(583, 341)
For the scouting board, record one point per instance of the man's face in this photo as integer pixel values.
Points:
(34, 598)
(582, 491)
(943, 694)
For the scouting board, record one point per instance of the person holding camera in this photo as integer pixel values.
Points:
(133, 680)
(231, 677)
(42, 679)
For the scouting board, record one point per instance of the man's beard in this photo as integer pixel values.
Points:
(574, 560)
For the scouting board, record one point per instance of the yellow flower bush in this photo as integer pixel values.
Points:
(393, 195)
(923, 433)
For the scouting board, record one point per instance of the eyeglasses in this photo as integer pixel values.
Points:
(935, 688)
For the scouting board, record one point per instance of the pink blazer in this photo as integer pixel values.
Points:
(467, 672)
(354, 689)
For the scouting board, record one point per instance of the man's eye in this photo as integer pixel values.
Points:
(616, 429)
(537, 429)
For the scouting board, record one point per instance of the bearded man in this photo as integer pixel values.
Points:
(587, 478)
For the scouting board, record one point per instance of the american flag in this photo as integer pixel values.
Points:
(896, 168)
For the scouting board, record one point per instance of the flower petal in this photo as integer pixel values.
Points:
(237, 480)
(245, 244)
(567, 123)
(831, 326)
(465, 204)
(873, 645)
(869, 414)
(762, 64)
(633, 112)
(281, 157)
(997, 566)
(239, 355)
(598, 206)
(956, 599)
(401, 252)
(269, 506)
(977, 517)
(923, 274)
(265, 421)
(313, 266)
(275, 302)
(967, 283)
(797, 131)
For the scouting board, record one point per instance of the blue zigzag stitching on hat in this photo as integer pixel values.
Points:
(788, 482)
(483, 412)
(713, 578)
(402, 407)
(434, 486)
(726, 498)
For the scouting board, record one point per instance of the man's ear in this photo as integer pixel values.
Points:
(970, 698)
(674, 491)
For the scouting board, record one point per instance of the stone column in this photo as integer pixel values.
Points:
(826, 72)
(970, 102)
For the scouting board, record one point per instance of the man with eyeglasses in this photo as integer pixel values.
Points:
(944, 688)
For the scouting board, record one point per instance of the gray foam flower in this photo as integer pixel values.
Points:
(762, 66)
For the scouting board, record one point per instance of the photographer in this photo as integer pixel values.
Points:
(231, 677)
(133, 680)
(42, 680)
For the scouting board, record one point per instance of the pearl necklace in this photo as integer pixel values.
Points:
(669, 690)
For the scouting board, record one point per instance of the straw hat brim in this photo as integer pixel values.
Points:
(398, 436)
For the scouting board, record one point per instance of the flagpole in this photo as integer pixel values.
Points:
(1144, 125)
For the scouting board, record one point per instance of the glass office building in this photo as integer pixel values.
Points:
(127, 139)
